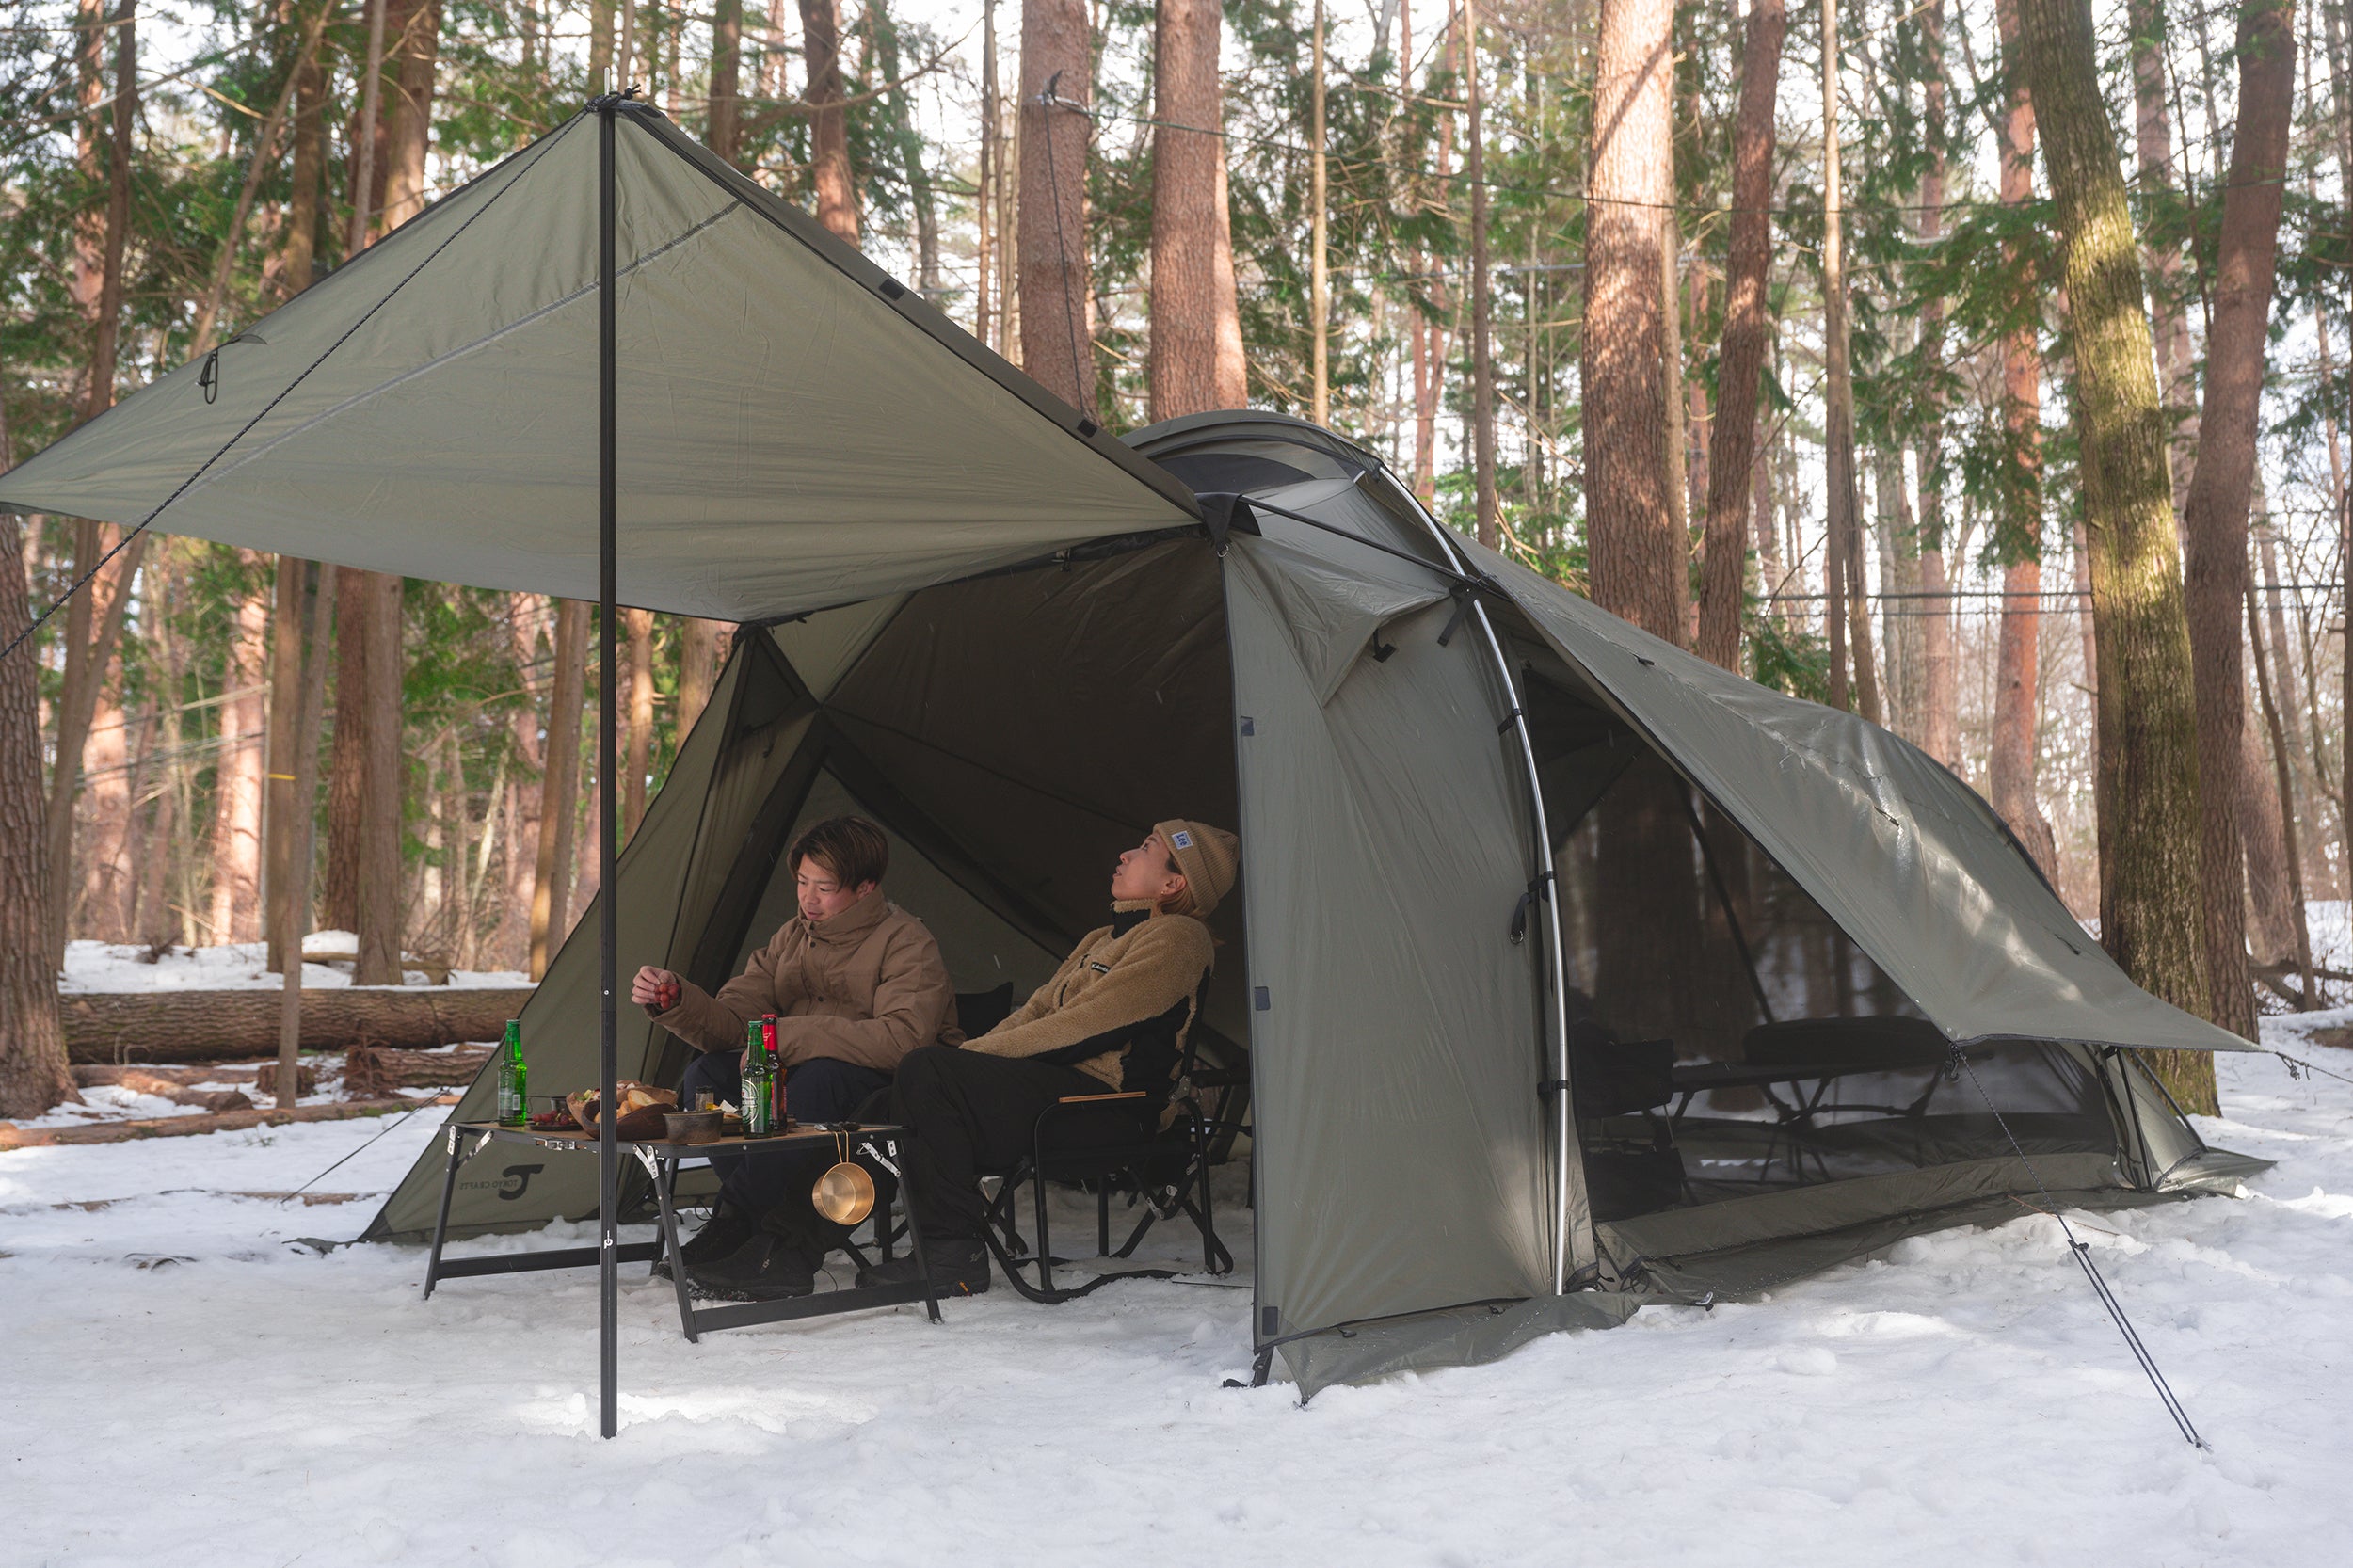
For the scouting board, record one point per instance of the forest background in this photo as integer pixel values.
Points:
(1775, 360)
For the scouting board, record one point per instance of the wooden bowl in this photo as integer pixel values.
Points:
(692, 1127)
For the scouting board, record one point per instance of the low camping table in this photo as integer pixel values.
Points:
(661, 1158)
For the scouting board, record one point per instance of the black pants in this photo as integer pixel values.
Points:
(973, 1113)
(819, 1090)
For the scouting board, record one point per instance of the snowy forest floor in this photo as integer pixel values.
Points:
(185, 1385)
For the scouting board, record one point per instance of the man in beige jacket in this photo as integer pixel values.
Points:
(856, 983)
(1114, 1018)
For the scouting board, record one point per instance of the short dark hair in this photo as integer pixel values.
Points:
(854, 850)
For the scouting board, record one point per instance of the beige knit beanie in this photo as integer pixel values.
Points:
(1208, 857)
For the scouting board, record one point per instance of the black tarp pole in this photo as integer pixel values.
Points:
(608, 506)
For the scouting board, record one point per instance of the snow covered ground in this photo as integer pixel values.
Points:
(239, 965)
(185, 1385)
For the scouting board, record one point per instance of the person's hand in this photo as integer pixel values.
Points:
(656, 988)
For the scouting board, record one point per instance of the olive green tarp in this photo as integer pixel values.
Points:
(1020, 646)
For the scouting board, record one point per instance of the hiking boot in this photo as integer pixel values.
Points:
(726, 1230)
(766, 1268)
(958, 1267)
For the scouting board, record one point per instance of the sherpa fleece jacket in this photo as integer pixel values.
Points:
(866, 986)
(1146, 963)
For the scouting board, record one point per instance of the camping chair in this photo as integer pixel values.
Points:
(1166, 1166)
(1623, 1079)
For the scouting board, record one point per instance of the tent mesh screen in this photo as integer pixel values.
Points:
(1727, 1038)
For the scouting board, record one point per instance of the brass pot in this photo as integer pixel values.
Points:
(844, 1195)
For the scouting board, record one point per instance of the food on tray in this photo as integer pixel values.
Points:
(554, 1121)
(637, 1100)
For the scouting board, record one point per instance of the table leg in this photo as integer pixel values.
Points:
(664, 1170)
(456, 1137)
(915, 1228)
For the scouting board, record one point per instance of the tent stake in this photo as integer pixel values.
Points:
(608, 506)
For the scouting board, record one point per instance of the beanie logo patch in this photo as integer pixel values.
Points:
(1180, 840)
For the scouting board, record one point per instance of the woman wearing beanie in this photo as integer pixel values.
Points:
(1113, 1018)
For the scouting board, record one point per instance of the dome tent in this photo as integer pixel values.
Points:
(1572, 973)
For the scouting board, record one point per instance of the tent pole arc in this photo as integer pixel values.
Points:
(1547, 887)
(608, 506)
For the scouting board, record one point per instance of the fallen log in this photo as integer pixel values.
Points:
(88, 1074)
(14, 1137)
(370, 1071)
(140, 1082)
(213, 1026)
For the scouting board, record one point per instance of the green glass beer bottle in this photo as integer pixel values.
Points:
(755, 1093)
(512, 1106)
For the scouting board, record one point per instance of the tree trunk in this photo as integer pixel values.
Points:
(383, 902)
(33, 1075)
(697, 668)
(639, 753)
(414, 51)
(2153, 148)
(560, 791)
(1846, 606)
(314, 597)
(2017, 683)
(2288, 852)
(287, 650)
(1740, 358)
(1487, 509)
(828, 121)
(298, 257)
(2146, 790)
(723, 130)
(236, 901)
(2270, 925)
(2221, 484)
(1939, 673)
(1637, 562)
(94, 619)
(884, 33)
(346, 783)
(1195, 317)
(105, 910)
(1319, 226)
(1056, 294)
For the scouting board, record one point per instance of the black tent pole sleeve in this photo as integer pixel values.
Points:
(608, 508)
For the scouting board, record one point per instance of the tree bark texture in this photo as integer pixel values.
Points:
(1196, 363)
(1637, 563)
(1487, 508)
(33, 1075)
(697, 668)
(560, 788)
(14, 1137)
(639, 752)
(1740, 357)
(2017, 678)
(93, 630)
(724, 129)
(1056, 294)
(347, 782)
(224, 1026)
(2221, 486)
(2270, 928)
(2146, 788)
(287, 650)
(413, 51)
(1940, 676)
(1846, 605)
(237, 769)
(2153, 145)
(383, 903)
(105, 910)
(828, 121)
